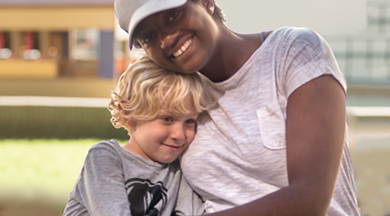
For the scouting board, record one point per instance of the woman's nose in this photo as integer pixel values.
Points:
(169, 39)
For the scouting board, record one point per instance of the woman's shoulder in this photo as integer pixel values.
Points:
(295, 35)
(294, 31)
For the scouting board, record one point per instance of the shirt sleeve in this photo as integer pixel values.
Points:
(100, 187)
(303, 56)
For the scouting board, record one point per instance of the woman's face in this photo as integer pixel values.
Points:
(181, 39)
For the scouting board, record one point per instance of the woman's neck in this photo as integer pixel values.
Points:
(231, 53)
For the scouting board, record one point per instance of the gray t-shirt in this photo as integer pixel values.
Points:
(115, 182)
(243, 141)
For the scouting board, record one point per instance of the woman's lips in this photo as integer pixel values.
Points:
(183, 48)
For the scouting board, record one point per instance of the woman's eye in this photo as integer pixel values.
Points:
(145, 38)
(173, 15)
(136, 44)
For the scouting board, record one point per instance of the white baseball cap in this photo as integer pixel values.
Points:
(131, 12)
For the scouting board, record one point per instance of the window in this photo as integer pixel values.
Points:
(5, 45)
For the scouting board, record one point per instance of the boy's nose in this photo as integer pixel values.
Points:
(169, 39)
(178, 132)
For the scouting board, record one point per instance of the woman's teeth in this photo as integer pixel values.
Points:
(183, 48)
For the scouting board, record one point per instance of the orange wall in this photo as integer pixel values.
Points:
(57, 18)
(16, 68)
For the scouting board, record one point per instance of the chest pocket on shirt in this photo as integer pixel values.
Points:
(272, 125)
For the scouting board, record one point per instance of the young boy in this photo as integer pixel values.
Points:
(159, 109)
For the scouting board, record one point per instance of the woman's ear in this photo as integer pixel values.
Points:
(209, 5)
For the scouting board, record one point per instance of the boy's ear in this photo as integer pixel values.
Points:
(130, 122)
(209, 5)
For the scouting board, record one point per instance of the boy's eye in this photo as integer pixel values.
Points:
(167, 119)
(190, 121)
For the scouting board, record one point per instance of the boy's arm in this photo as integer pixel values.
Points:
(100, 187)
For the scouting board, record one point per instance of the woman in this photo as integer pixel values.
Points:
(277, 144)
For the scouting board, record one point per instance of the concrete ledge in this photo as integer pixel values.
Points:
(54, 101)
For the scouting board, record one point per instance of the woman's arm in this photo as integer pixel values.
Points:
(315, 137)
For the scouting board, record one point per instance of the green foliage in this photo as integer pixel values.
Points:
(41, 169)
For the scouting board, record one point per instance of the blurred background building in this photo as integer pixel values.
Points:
(365, 60)
(51, 49)
(59, 61)
(57, 39)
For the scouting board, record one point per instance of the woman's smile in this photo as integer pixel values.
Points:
(185, 44)
(183, 48)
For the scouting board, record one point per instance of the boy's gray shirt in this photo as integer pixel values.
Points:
(114, 181)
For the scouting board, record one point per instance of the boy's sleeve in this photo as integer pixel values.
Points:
(100, 188)
(188, 203)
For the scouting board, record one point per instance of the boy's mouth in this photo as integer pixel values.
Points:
(173, 147)
(183, 48)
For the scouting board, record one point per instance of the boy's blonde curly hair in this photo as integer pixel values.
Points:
(145, 88)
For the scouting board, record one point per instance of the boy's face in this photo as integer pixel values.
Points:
(163, 139)
(180, 39)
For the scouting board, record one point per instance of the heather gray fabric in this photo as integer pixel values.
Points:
(239, 152)
(115, 182)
